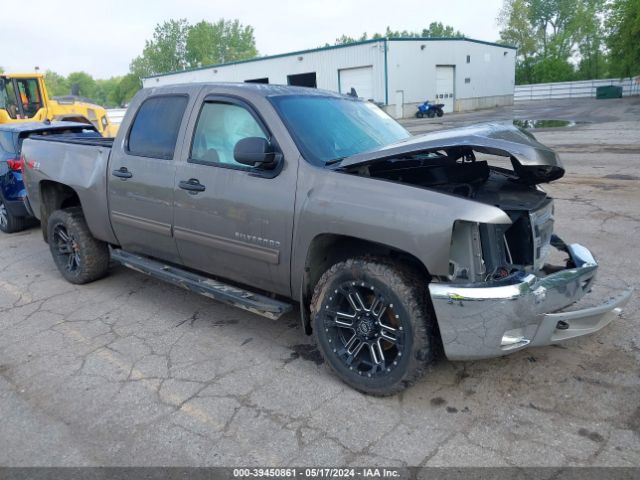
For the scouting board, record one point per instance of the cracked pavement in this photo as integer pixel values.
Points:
(132, 371)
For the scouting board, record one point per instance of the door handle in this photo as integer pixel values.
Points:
(122, 172)
(192, 185)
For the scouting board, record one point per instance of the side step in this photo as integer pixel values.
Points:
(222, 292)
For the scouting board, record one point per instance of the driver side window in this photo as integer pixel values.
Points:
(220, 127)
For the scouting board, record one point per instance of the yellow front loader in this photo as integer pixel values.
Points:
(24, 98)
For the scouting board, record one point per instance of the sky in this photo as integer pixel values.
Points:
(102, 37)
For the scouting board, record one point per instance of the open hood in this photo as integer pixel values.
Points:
(532, 161)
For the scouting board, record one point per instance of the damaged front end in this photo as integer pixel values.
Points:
(500, 316)
(500, 294)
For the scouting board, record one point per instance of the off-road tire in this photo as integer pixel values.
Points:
(406, 292)
(8, 222)
(439, 112)
(92, 255)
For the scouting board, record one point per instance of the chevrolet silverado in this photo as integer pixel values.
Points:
(395, 247)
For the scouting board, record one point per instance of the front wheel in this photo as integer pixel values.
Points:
(431, 114)
(373, 324)
(79, 257)
(419, 115)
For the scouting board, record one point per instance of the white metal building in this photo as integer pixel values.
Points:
(398, 73)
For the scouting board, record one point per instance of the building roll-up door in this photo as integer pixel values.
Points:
(445, 75)
(361, 79)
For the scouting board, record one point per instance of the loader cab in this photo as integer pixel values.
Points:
(21, 97)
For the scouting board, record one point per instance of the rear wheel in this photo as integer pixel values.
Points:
(431, 114)
(373, 324)
(79, 257)
(439, 112)
(8, 222)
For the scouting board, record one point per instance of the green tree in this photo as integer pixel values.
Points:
(589, 37)
(85, 83)
(223, 41)
(623, 40)
(551, 19)
(517, 30)
(553, 69)
(438, 29)
(345, 39)
(177, 45)
(165, 52)
(104, 91)
(57, 84)
(109, 92)
(553, 36)
(435, 29)
(126, 89)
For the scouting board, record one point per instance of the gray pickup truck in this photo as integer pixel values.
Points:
(395, 247)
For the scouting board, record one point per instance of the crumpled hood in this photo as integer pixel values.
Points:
(532, 161)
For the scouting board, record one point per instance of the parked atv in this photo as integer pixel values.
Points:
(430, 110)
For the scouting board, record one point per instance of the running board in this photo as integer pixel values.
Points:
(222, 292)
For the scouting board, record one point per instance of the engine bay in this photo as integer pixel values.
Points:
(480, 252)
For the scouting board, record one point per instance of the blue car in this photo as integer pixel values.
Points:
(13, 212)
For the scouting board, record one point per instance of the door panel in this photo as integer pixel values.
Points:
(142, 176)
(445, 83)
(142, 206)
(239, 226)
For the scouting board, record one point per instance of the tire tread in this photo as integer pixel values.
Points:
(405, 282)
(95, 253)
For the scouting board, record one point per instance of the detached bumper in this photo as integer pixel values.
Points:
(482, 322)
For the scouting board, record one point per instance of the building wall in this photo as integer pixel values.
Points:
(325, 62)
(412, 69)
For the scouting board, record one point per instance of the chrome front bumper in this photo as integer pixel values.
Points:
(490, 321)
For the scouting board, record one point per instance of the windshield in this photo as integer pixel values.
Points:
(327, 129)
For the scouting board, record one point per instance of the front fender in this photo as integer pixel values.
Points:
(414, 220)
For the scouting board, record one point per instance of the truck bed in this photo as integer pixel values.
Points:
(77, 140)
(79, 163)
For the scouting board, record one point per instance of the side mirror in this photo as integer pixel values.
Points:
(255, 151)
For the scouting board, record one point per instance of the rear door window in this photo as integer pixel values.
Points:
(155, 129)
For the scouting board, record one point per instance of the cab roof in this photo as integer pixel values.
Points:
(264, 89)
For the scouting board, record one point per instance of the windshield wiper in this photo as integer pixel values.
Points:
(333, 161)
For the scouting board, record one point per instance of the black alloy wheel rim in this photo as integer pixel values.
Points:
(364, 330)
(67, 249)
